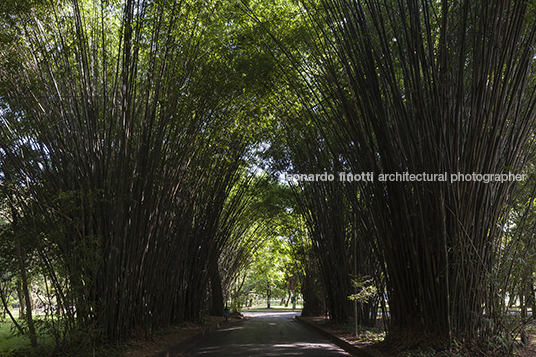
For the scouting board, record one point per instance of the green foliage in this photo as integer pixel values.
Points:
(365, 287)
(132, 134)
(9, 339)
(268, 272)
(401, 87)
(128, 125)
(273, 266)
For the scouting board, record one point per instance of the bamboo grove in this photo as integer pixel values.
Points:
(417, 86)
(129, 128)
(123, 150)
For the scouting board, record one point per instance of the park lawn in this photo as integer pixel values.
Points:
(9, 339)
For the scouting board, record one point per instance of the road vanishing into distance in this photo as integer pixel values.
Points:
(265, 334)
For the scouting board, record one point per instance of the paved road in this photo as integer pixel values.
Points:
(265, 334)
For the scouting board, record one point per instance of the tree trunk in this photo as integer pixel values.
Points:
(524, 296)
(216, 308)
(288, 299)
(21, 300)
(22, 267)
(532, 296)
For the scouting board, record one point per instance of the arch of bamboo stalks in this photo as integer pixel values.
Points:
(123, 151)
(331, 213)
(421, 86)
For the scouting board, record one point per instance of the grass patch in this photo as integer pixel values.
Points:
(10, 339)
(272, 308)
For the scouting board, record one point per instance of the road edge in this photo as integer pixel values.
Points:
(351, 349)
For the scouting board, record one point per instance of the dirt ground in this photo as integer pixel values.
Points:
(149, 346)
(369, 340)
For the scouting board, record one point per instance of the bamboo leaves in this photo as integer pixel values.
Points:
(421, 86)
(116, 121)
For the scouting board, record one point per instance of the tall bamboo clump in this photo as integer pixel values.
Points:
(428, 87)
(331, 216)
(112, 122)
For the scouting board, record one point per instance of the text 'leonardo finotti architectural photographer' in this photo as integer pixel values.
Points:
(406, 177)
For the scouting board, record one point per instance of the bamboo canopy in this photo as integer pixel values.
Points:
(434, 87)
(124, 153)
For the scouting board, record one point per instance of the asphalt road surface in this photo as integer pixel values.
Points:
(265, 334)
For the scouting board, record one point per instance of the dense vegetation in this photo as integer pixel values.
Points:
(146, 148)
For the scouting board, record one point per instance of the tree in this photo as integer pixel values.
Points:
(515, 259)
(125, 124)
(439, 87)
(266, 274)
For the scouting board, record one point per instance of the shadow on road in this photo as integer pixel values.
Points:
(266, 333)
